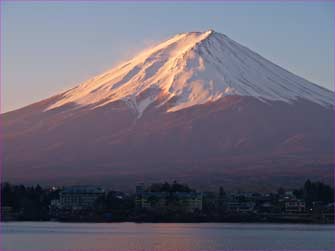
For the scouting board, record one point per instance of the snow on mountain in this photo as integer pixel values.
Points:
(193, 68)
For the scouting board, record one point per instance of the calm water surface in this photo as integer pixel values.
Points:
(164, 236)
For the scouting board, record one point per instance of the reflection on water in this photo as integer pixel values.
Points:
(164, 236)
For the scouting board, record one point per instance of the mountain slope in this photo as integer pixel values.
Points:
(198, 107)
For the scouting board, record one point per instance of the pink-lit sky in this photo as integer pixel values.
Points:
(48, 47)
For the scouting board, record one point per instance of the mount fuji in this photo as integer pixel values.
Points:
(198, 107)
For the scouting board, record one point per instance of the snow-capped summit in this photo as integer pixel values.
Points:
(193, 68)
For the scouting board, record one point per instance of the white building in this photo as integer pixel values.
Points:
(79, 197)
(295, 206)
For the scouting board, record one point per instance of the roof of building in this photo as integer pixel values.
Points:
(180, 195)
(82, 189)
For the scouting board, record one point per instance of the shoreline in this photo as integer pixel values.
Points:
(173, 222)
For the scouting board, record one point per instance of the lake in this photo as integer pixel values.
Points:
(164, 236)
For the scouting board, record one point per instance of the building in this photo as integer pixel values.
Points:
(267, 207)
(295, 206)
(191, 201)
(241, 207)
(79, 197)
(140, 188)
(184, 201)
(151, 200)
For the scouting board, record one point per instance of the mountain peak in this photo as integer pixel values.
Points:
(206, 32)
(210, 32)
(193, 68)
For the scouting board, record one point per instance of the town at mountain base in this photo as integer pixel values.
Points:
(190, 110)
(165, 202)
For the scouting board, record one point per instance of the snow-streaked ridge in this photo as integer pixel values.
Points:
(193, 68)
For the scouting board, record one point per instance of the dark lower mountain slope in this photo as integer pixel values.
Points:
(235, 142)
